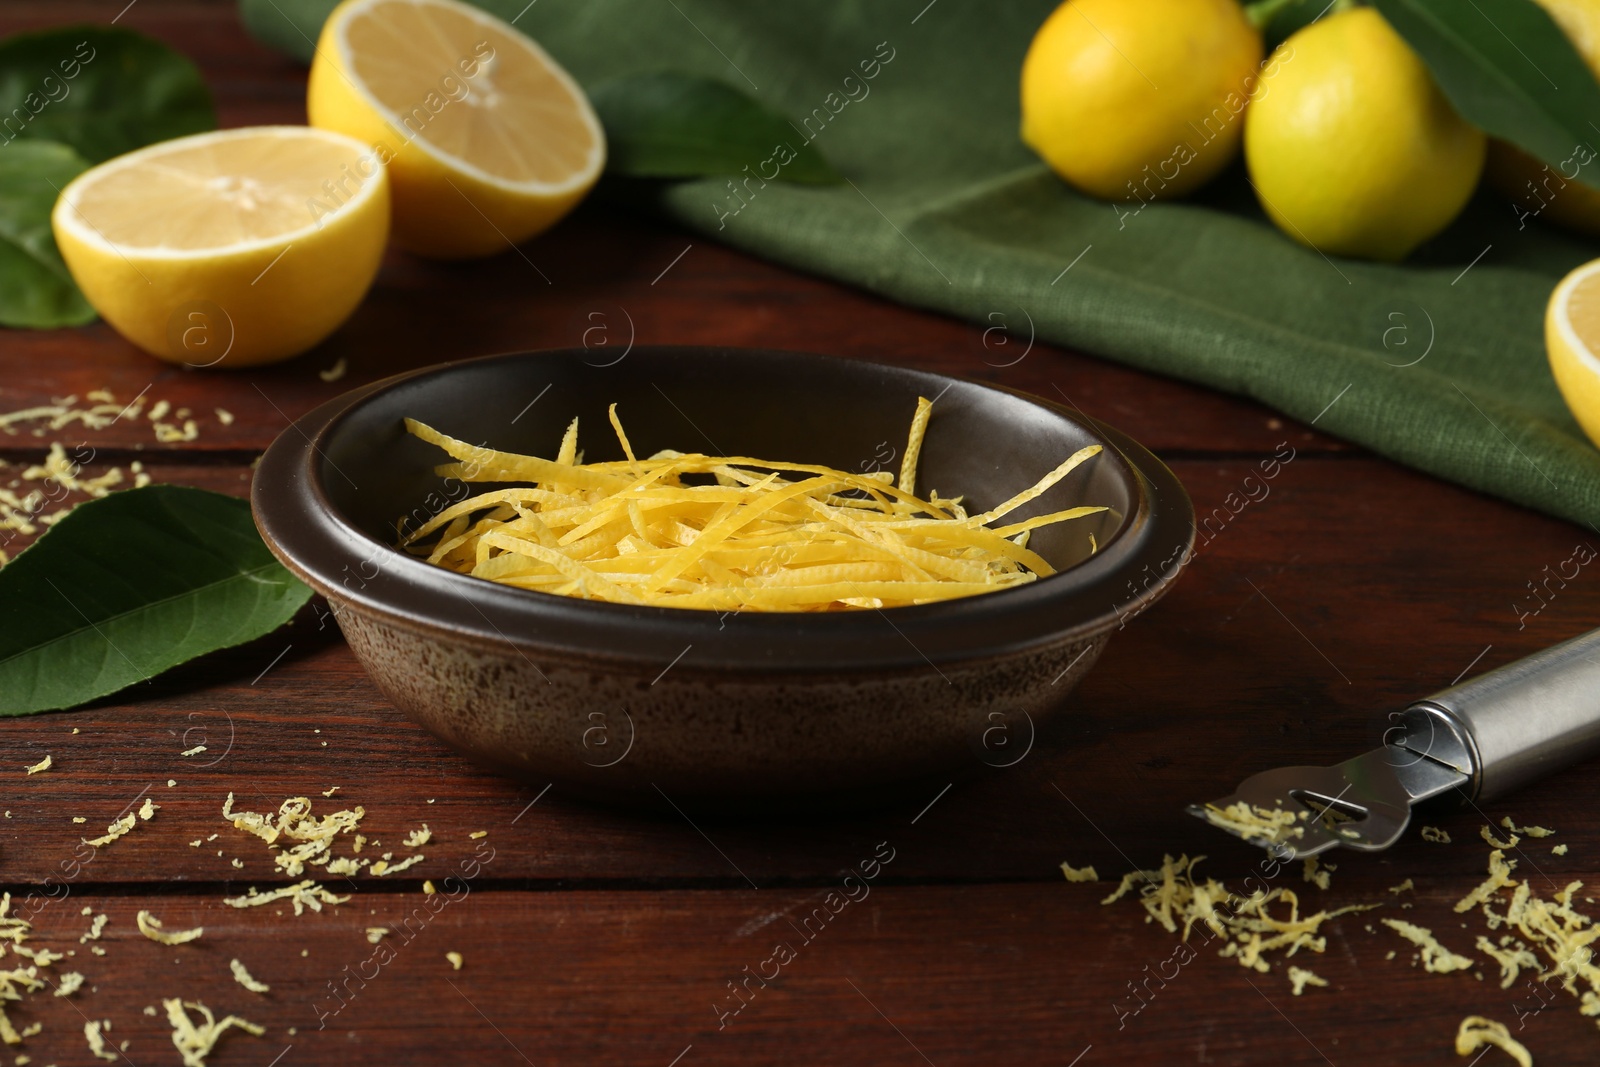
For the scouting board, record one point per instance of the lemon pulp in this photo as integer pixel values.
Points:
(488, 140)
(271, 235)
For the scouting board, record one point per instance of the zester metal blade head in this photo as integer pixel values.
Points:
(1301, 811)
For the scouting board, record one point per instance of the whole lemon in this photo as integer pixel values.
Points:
(1548, 192)
(1351, 146)
(1139, 99)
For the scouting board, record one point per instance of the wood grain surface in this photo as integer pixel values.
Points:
(1340, 591)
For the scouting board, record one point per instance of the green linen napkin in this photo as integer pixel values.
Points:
(1437, 363)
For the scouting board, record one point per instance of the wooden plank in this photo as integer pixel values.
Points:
(903, 975)
(1288, 640)
(603, 295)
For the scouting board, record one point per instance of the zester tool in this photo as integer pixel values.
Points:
(1478, 740)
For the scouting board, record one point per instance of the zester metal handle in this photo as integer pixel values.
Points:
(1515, 724)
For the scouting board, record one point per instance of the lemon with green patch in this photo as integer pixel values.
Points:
(1352, 147)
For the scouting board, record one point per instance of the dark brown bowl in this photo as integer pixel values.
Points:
(781, 710)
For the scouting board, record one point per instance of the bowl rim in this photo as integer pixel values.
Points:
(305, 530)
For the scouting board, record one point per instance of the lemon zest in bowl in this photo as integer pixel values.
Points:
(727, 533)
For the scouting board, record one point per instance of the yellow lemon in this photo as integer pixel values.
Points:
(1548, 192)
(1139, 99)
(213, 250)
(1538, 191)
(1571, 339)
(487, 139)
(1351, 146)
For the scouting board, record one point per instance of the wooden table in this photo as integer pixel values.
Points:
(592, 937)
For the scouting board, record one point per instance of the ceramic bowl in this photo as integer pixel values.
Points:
(631, 704)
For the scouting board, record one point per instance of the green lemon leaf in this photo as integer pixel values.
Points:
(103, 90)
(671, 125)
(290, 26)
(1279, 19)
(35, 289)
(1510, 71)
(126, 586)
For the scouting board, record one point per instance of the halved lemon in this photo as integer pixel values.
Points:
(1572, 339)
(487, 139)
(229, 248)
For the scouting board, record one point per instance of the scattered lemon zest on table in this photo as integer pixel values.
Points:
(1323, 878)
(40, 767)
(43, 957)
(150, 927)
(306, 894)
(1487, 833)
(68, 984)
(66, 472)
(455, 959)
(117, 830)
(1526, 831)
(24, 978)
(418, 838)
(1407, 886)
(1512, 955)
(376, 934)
(1475, 1032)
(1172, 895)
(97, 1041)
(295, 822)
(13, 928)
(1435, 835)
(1080, 874)
(335, 372)
(1299, 978)
(243, 977)
(195, 1042)
(1500, 870)
(383, 868)
(634, 531)
(1436, 959)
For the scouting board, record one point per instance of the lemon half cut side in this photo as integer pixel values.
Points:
(229, 248)
(1572, 338)
(488, 140)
